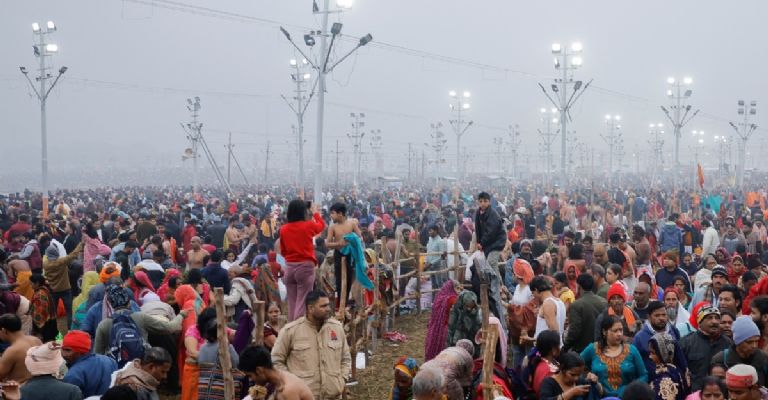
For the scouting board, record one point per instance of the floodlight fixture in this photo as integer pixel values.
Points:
(293, 62)
(346, 4)
(365, 40)
(576, 47)
(467, 95)
(62, 70)
(51, 26)
(556, 48)
(309, 40)
(671, 80)
(687, 80)
(336, 28)
(577, 61)
(51, 48)
(35, 27)
(452, 93)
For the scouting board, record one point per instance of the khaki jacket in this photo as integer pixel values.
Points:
(321, 358)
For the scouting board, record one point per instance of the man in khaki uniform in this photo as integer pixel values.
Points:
(314, 348)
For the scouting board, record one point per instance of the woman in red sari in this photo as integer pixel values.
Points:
(188, 299)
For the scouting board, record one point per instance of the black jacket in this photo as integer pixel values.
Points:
(489, 228)
(581, 320)
(699, 349)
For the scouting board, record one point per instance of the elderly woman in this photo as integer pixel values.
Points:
(615, 363)
(668, 380)
(428, 384)
(465, 319)
(455, 363)
(405, 369)
(437, 329)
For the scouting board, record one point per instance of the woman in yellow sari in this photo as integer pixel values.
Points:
(80, 303)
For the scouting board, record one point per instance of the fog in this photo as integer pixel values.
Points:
(115, 115)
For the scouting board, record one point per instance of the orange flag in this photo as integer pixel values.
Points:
(701, 176)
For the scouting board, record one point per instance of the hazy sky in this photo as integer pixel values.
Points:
(133, 63)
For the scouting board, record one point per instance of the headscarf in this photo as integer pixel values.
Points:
(163, 290)
(146, 285)
(437, 329)
(44, 359)
(117, 297)
(463, 324)
(90, 279)
(188, 298)
(109, 270)
(522, 269)
(725, 254)
(663, 344)
(78, 341)
(502, 338)
(409, 367)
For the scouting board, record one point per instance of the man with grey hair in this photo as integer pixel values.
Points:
(428, 384)
(641, 297)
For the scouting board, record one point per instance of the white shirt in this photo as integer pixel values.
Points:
(541, 323)
(522, 295)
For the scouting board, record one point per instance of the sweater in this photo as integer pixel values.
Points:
(296, 239)
(92, 373)
(56, 272)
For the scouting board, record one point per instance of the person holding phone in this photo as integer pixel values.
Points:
(568, 383)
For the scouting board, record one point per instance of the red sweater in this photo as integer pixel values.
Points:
(296, 239)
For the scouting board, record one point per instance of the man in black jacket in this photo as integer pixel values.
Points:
(699, 347)
(489, 228)
(583, 314)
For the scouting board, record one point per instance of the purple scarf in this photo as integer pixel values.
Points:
(437, 330)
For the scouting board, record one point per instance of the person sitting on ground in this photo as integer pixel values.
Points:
(405, 369)
(256, 363)
(12, 367)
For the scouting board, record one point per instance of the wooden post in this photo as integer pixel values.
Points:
(484, 303)
(395, 280)
(418, 273)
(456, 258)
(343, 300)
(490, 336)
(226, 361)
(258, 320)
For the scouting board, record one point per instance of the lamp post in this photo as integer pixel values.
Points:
(724, 145)
(657, 144)
(679, 92)
(744, 129)
(549, 119)
(376, 144)
(324, 66)
(698, 146)
(43, 49)
(460, 104)
(300, 76)
(612, 138)
(357, 142)
(438, 145)
(567, 60)
(513, 145)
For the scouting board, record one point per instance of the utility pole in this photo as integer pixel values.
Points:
(267, 152)
(567, 59)
(613, 138)
(43, 49)
(376, 144)
(513, 145)
(194, 131)
(681, 112)
(300, 77)
(438, 145)
(229, 159)
(459, 125)
(357, 141)
(744, 129)
(410, 155)
(657, 146)
(498, 151)
(324, 66)
(549, 118)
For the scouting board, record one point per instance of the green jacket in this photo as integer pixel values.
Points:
(582, 316)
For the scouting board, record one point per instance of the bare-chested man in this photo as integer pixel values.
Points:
(197, 254)
(341, 227)
(12, 367)
(256, 362)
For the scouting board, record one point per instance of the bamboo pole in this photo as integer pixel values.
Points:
(484, 304)
(221, 333)
(489, 355)
(395, 280)
(343, 300)
(418, 274)
(456, 261)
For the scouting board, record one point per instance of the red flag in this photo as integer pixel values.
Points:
(701, 176)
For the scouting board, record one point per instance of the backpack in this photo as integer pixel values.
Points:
(125, 340)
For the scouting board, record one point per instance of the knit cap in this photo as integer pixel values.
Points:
(743, 329)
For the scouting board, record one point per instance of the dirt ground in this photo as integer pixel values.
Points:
(375, 381)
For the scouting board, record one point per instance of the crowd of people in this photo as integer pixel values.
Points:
(633, 294)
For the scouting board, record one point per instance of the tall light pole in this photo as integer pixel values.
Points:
(724, 145)
(744, 129)
(459, 105)
(194, 134)
(657, 144)
(679, 92)
(43, 49)
(550, 120)
(438, 145)
(567, 60)
(514, 145)
(498, 150)
(324, 66)
(357, 141)
(612, 137)
(300, 76)
(376, 144)
(698, 146)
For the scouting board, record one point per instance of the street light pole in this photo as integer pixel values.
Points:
(744, 129)
(43, 49)
(514, 144)
(357, 141)
(613, 138)
(679, 116)
(567, 59)
(323, 67)
(300, 78)
(459, 125)
(548, 117)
